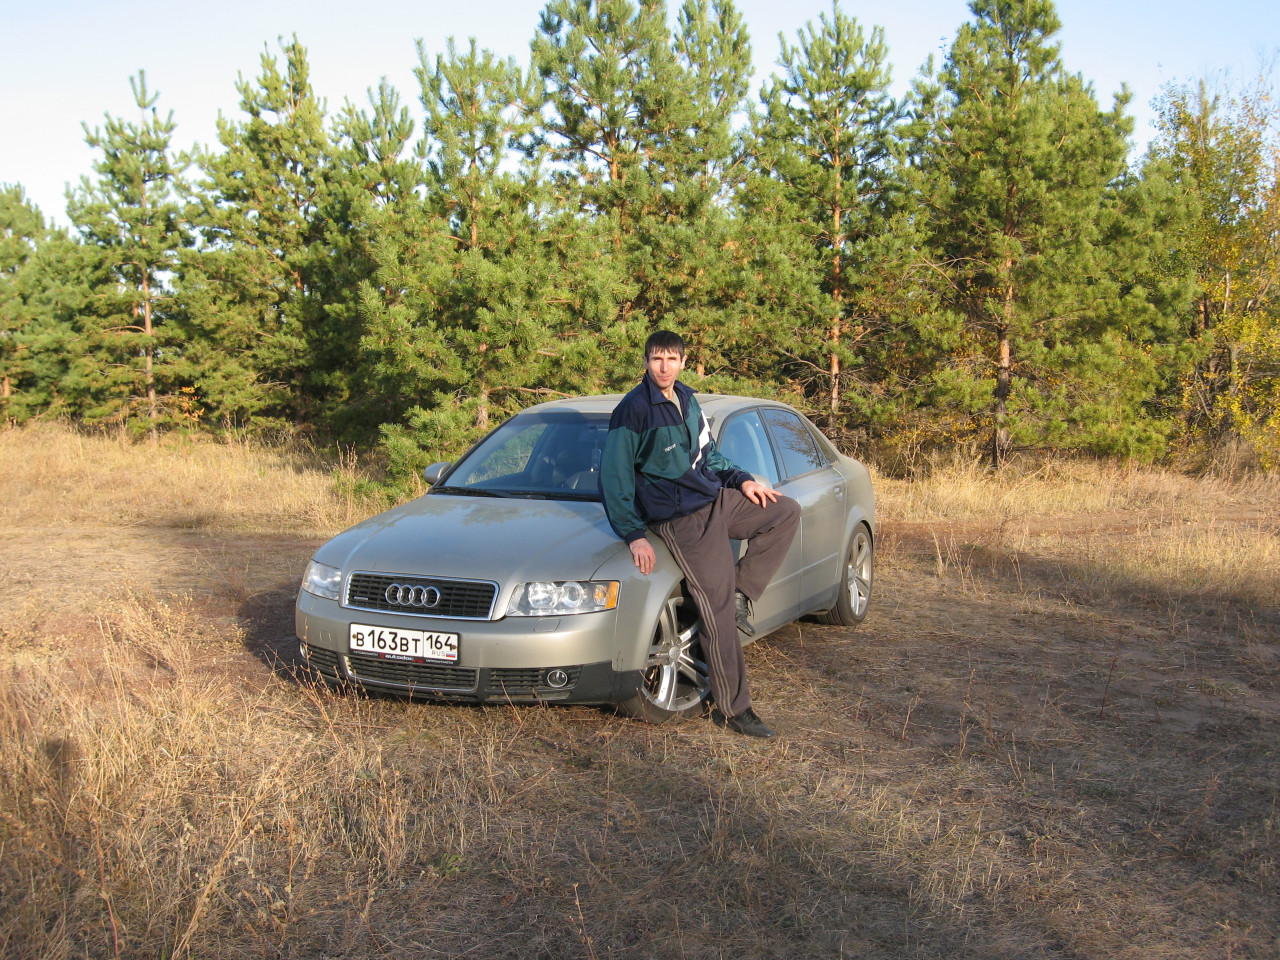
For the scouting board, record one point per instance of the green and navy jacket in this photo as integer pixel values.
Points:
(660, 461)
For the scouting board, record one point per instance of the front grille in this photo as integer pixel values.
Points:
(416, 676)
(459, 599)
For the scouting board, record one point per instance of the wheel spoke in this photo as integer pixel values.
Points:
(674, 679)
(695, 670)
(666, 689)
(861, 594)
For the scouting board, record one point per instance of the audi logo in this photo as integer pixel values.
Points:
(404, 595)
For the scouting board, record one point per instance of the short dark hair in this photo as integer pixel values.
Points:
(663, 340)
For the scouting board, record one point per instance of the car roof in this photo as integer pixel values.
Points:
(713, 405)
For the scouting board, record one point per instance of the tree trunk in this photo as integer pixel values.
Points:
(837, 300)
(1000, 434)
(149, 362)
(1004, 377)
(475, 222)
(482, 407)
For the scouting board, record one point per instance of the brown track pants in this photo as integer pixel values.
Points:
(700, 544)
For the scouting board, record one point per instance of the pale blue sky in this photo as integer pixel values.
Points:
(67, 61)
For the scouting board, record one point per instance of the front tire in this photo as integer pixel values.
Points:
(674, 682)
(855, 582)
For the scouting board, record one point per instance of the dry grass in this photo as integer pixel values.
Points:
(1056, 736)
(59, 477)
(1111, 528)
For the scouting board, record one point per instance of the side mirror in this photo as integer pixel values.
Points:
(434, 472)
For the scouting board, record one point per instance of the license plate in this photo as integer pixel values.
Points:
(400, 644)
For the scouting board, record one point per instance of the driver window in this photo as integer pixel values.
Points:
(800, 453)
(745, 442)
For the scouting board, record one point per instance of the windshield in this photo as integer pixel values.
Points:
(549, 455)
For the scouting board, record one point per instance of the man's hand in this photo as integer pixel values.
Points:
(758, 493)
(642, 553)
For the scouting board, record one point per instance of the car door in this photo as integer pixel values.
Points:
(745, 440)
(810, 477)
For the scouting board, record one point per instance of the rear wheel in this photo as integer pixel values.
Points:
(855, 583)
(674, 680)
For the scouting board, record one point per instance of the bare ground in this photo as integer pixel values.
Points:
(1021, 753)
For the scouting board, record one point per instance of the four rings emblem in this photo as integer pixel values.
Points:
(405, 595)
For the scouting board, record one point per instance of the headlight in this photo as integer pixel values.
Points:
(546, 599)
(323, 580)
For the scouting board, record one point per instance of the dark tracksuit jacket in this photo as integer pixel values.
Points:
(660, 461)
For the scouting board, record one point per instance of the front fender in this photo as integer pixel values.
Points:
(640, 601)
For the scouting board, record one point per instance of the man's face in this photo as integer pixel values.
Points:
(664, 367)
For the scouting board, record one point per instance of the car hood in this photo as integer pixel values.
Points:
(479, 538)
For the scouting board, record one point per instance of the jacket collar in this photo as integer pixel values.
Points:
(683, 392)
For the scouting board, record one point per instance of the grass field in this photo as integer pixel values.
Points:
(1056, 735)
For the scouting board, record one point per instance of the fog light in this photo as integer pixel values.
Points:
(557, 678)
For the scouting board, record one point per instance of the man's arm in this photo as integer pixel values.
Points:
(618, 482)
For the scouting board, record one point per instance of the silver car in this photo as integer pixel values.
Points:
(505, 582)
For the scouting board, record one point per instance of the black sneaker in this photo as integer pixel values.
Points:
(743, 612)
(745, 723)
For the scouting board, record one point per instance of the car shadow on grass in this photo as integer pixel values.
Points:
(267, 620)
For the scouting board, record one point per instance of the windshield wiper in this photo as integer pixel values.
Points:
(471, 492)
(576, 495)
(586, 497)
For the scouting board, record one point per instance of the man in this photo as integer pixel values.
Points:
(662, 469)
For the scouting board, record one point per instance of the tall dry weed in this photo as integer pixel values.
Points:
(1208, 538)
(962, 489)
(146, 799)
(61, 477)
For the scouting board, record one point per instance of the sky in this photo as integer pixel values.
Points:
(64, 63)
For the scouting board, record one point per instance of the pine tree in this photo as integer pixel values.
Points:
(613, 85)
(43, 286)
(460, 315)
(638, 130)
(255, 290)
(825, 145)
(687, 253)
(618, 101)
(22, 229)
(129, 361)
(373, 169)
(377, 148)
(1017, 167)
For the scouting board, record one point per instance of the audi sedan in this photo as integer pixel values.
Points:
(505, 582)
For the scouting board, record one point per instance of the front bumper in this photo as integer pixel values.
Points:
(513, 660)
